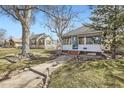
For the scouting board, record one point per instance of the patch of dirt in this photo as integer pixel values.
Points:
(13, 59)
(89, 57)
(34, 57)
(19, 58)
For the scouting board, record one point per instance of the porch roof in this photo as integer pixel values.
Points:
(83, 31)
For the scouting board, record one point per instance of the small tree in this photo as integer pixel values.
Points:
(110, 20)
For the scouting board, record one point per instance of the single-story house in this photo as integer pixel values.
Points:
(41, 41)
(13, 43)
(83, 39)
(1, 44)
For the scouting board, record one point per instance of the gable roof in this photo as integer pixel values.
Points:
(16, 40)
(43, 35)
(83, 30)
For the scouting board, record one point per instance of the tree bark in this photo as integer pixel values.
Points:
(26, 32)
(60, 40)
(25, 40)
(113, 52)
(113, 46)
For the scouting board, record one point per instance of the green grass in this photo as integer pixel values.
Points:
(6, 66)
(14, 51)
(121, 49)
(42, 52)
(90, 74)
(8, 51)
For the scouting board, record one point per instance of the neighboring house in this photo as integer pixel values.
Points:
(1, 44)
(36, 41)
(83, 39)
(41, 41)
(13, 43)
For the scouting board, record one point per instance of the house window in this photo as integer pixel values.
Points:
(41, 42)
(33, 42)
(93, 40)
(67, 41)
(48, 42)
(81, 40)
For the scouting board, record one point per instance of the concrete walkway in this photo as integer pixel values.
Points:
(34, 76)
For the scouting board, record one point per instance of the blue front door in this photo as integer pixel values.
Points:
(74, 42)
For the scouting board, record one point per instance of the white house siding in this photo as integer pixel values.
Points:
(66, 47)
(49, 46)
(88, 48)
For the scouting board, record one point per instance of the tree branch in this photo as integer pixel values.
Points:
(8, 12)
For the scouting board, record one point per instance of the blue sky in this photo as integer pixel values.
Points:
(14, 28)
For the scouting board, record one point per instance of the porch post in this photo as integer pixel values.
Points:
(85, 40)
(37, 43)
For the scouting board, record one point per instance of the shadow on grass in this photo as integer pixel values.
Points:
(40, 59)
(50, 51)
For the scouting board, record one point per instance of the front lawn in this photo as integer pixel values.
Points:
(90, 74)
(8, 51)
(6, 66)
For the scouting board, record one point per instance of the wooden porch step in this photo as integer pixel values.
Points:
(72, 52)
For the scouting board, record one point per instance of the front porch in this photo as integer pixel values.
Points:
(83, 43)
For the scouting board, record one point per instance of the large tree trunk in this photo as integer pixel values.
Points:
(26, 32)
(60, 40)
(25, 40)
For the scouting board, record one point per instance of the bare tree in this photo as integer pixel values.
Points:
(23, 14)
(59, 19)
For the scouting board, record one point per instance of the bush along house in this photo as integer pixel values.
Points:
(83, 39)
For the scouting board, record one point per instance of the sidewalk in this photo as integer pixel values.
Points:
(34, 76)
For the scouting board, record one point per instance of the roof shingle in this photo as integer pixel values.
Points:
(81, 30)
